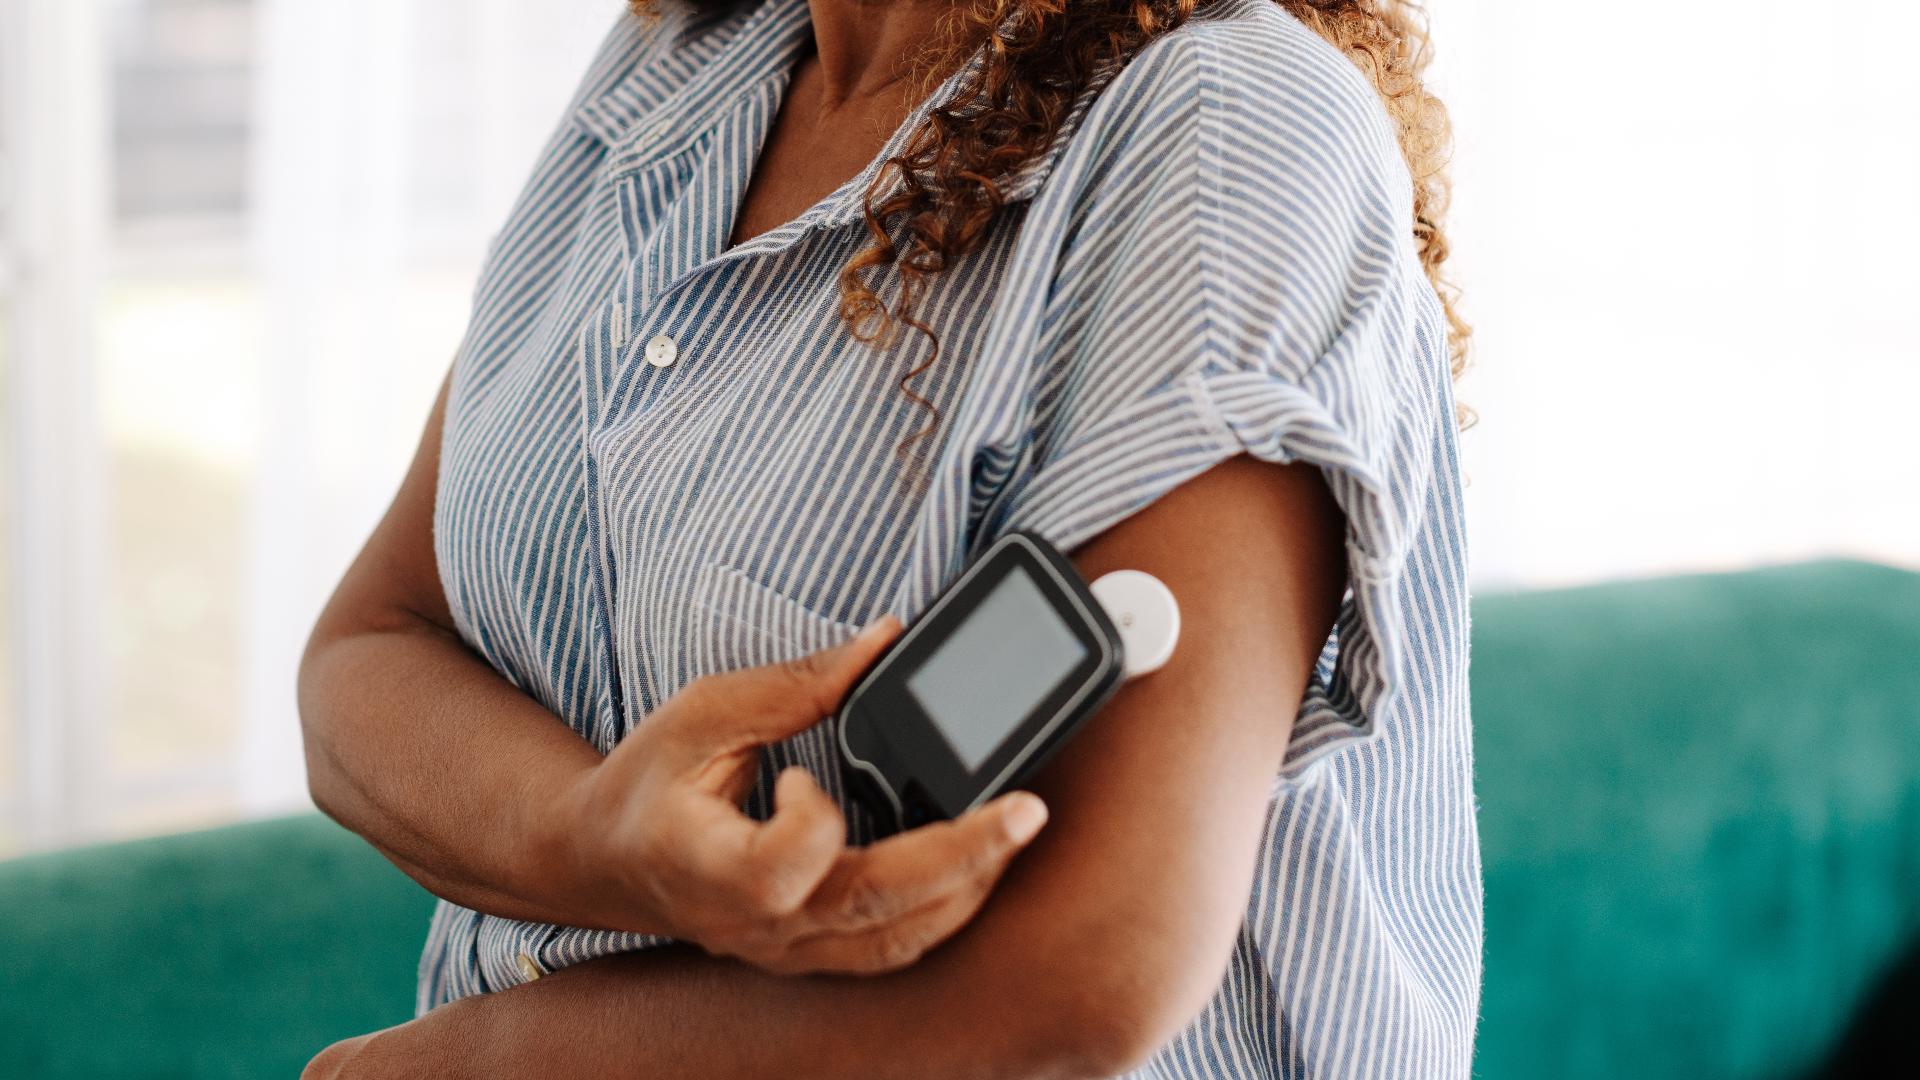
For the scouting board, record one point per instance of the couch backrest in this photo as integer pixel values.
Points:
(238, 952)
(1700, 815)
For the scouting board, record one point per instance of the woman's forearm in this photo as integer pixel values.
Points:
(468, 893)
(676, 1012)
(418, 745)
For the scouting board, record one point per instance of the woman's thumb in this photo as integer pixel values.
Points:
(833, 671)
(770, 703)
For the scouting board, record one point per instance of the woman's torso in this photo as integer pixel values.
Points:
(665, 456)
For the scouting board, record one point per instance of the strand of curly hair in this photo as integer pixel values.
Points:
(1040, 57)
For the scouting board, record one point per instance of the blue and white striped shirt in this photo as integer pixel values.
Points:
(665, 457)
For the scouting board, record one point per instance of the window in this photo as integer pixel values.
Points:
(11, 810)
(236, 244)
(177, 361)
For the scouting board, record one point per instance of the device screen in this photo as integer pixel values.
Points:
(1004, 660)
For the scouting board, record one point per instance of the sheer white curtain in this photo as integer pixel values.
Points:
(394, 134)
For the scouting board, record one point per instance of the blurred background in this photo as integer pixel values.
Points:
(236, 240)
(236, 244)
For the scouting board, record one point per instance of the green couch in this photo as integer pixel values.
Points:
(1700, 806)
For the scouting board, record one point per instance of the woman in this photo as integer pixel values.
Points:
(808, 300)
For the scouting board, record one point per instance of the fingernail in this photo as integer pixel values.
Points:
(874, 629)
(1025, 817)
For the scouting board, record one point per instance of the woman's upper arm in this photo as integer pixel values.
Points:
(1131, 898)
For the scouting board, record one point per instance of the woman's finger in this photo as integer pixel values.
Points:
(908, 872)
(798, 846)
(886, 947)
(738, 872)
(720, 715)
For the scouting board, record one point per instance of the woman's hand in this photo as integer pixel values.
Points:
(656, 833)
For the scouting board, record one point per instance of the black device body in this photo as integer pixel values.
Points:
(1000, 670)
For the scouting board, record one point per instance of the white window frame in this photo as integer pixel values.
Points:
(54, 92)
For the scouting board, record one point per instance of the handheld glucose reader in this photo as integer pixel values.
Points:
(1004, 665)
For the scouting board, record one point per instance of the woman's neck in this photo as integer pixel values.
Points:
(864, 47)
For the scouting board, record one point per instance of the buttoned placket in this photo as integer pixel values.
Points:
(687, 242)
(598, 347)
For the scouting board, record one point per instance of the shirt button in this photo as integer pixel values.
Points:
(661, 351)
(528, 968)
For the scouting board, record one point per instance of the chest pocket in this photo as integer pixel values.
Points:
(735, 621)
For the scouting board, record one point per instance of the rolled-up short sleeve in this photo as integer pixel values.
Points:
(1240, 278)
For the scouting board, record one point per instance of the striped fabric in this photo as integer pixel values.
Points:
(665, 457)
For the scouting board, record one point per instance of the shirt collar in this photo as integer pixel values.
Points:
(641, 128)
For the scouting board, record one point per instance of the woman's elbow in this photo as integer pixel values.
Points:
(310, 693)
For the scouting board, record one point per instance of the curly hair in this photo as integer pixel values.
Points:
(1040, 56)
